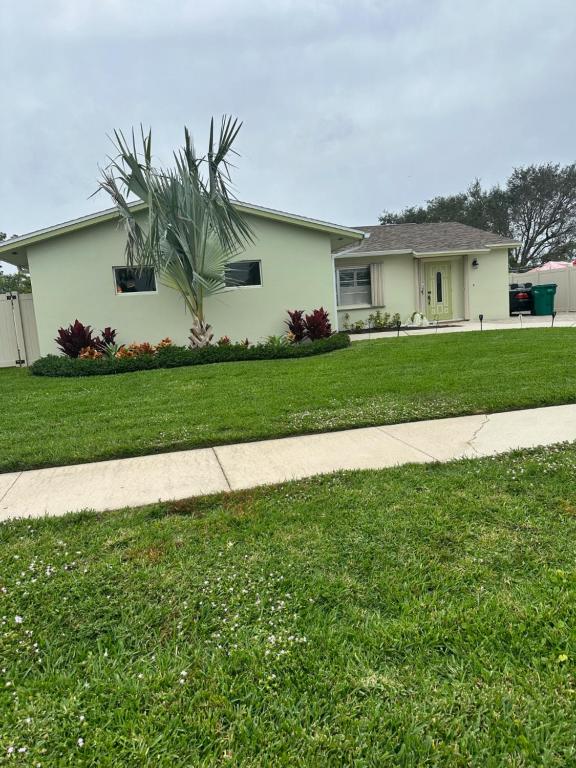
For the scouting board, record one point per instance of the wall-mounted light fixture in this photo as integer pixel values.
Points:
(475, 263)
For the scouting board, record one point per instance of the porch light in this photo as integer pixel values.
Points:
(475, 263)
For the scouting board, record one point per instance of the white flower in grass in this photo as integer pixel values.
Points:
(80, 742)
(18, 619)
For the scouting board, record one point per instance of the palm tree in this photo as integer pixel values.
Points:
(193, 229)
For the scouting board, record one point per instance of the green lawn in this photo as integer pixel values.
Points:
(422, 616)
(60, 421)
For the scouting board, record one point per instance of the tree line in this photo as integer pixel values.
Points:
(536, 206)
(18, 282)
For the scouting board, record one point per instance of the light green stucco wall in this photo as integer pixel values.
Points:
(474, 291)
(488, 285)
(72, 278)
(399, 288)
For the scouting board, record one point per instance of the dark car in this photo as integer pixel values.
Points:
(520, 297)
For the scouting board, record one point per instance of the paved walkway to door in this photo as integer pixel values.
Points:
(562, 320)
(147, 479)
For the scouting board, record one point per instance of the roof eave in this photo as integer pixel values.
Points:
(464, 251)
(359, 253)
(110, 214)
(303, 221)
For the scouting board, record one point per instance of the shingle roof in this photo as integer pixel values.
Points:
(426, 238)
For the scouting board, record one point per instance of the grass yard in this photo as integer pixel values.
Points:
(421, 616)
(60, 421)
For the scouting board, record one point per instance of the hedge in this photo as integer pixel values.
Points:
(175, 357)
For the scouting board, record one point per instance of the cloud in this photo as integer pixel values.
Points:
(348, 107)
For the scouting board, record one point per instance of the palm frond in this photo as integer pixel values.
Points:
(193, 228)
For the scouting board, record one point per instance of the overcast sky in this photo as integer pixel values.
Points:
(349, 106)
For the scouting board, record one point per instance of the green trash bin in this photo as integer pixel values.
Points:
(543, 299)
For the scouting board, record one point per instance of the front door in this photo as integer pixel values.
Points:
(438, 292)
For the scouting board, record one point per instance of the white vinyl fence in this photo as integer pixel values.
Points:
(565, 279)
(18, 334)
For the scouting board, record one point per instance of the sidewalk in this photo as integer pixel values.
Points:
(562, 320)
(147, 479)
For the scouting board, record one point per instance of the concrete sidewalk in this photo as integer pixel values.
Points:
(562, 320)
(147, 479)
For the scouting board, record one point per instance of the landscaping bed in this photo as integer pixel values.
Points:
(420, 616)
(176, 357)
(400, 328)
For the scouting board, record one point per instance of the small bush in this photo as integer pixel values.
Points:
(75, 340)
(277, 341)
(296, 325)
(144, 348)
(318, 324)
(172, 356)
(89, 353)
(107, 339)
(379, 320)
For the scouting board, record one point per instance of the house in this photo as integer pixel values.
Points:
(446, 271)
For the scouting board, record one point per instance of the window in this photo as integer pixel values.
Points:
(439, 287)
(134, 279)
(354, 286)
(241, 274)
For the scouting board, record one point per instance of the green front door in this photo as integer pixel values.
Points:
(438, 291)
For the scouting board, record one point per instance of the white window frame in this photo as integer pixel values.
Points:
(360, 305)
(245, 287)
(133, 293)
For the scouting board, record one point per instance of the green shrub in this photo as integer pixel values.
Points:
(175, 357)
(379, 320)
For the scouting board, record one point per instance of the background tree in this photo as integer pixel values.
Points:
(537, 207)
(192, 229)
(17, 282)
